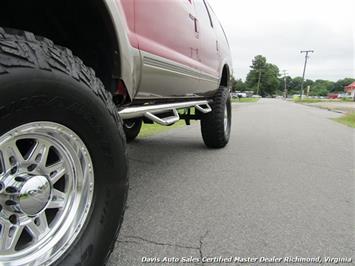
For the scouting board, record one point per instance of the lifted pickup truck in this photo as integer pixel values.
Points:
(77, 79)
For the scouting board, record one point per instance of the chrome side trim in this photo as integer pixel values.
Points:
(170, 67)
(141, 111)
(209, 78)
(162, 63)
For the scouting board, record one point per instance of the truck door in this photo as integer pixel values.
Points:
(208, 46)
(167, 36)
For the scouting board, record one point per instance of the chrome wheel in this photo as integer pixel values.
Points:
(46, 191)
(226, 118)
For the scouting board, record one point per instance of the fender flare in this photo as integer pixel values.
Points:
(130, 59)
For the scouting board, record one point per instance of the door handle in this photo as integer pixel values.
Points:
(195, 22)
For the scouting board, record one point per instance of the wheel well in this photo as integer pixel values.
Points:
(225, 79)
(84, 26)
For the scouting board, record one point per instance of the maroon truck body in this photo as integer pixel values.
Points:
(186, 32)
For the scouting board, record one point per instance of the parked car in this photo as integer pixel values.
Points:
(234, 95)
(333, 96)
(78, 78)
(344, 96)
(242, 95)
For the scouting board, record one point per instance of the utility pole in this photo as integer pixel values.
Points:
(285, 80)
(304, 69)
(259, 81)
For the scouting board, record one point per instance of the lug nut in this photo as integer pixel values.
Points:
(31, 167)
(13, 219)
(12, 160)
(20, 179)
(13, 170)
(10, 203)
(38, 158)
(12, 231)
(11, 190)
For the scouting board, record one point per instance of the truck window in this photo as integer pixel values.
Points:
(208, 12)
(203, 12)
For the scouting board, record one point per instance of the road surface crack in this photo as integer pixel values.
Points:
(133, 239)
(201, 246)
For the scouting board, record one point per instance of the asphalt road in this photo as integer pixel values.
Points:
(284, 186)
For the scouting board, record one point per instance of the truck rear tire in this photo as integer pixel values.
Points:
(216, 125)
(131, 128)
(63, 164)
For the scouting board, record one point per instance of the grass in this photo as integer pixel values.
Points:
(309, 101)
(245, 100)
(347, 100)
(312, 100)
(348, 120)
(153, 129)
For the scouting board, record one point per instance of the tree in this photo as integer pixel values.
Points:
(263, 76)
(281, 88)
(340, 84)
(294, 85)
(238, 85)
(272, 83)
(321, 87)
(308, 82)
(257, 68)
(271, 80)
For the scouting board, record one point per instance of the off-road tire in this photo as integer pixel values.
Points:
(132, 127)
(214, 132)
(40, 81)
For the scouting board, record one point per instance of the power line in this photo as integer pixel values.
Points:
(304, 69)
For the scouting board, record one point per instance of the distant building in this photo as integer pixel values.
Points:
(350, 89)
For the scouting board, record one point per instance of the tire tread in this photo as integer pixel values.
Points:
(22, 49)
(212, 124)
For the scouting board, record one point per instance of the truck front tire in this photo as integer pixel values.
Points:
(216, 125)
(63, 165)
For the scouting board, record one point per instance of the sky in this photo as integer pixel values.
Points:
(280, 29)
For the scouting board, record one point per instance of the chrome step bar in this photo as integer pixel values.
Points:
(166, 121)
(151, 111)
